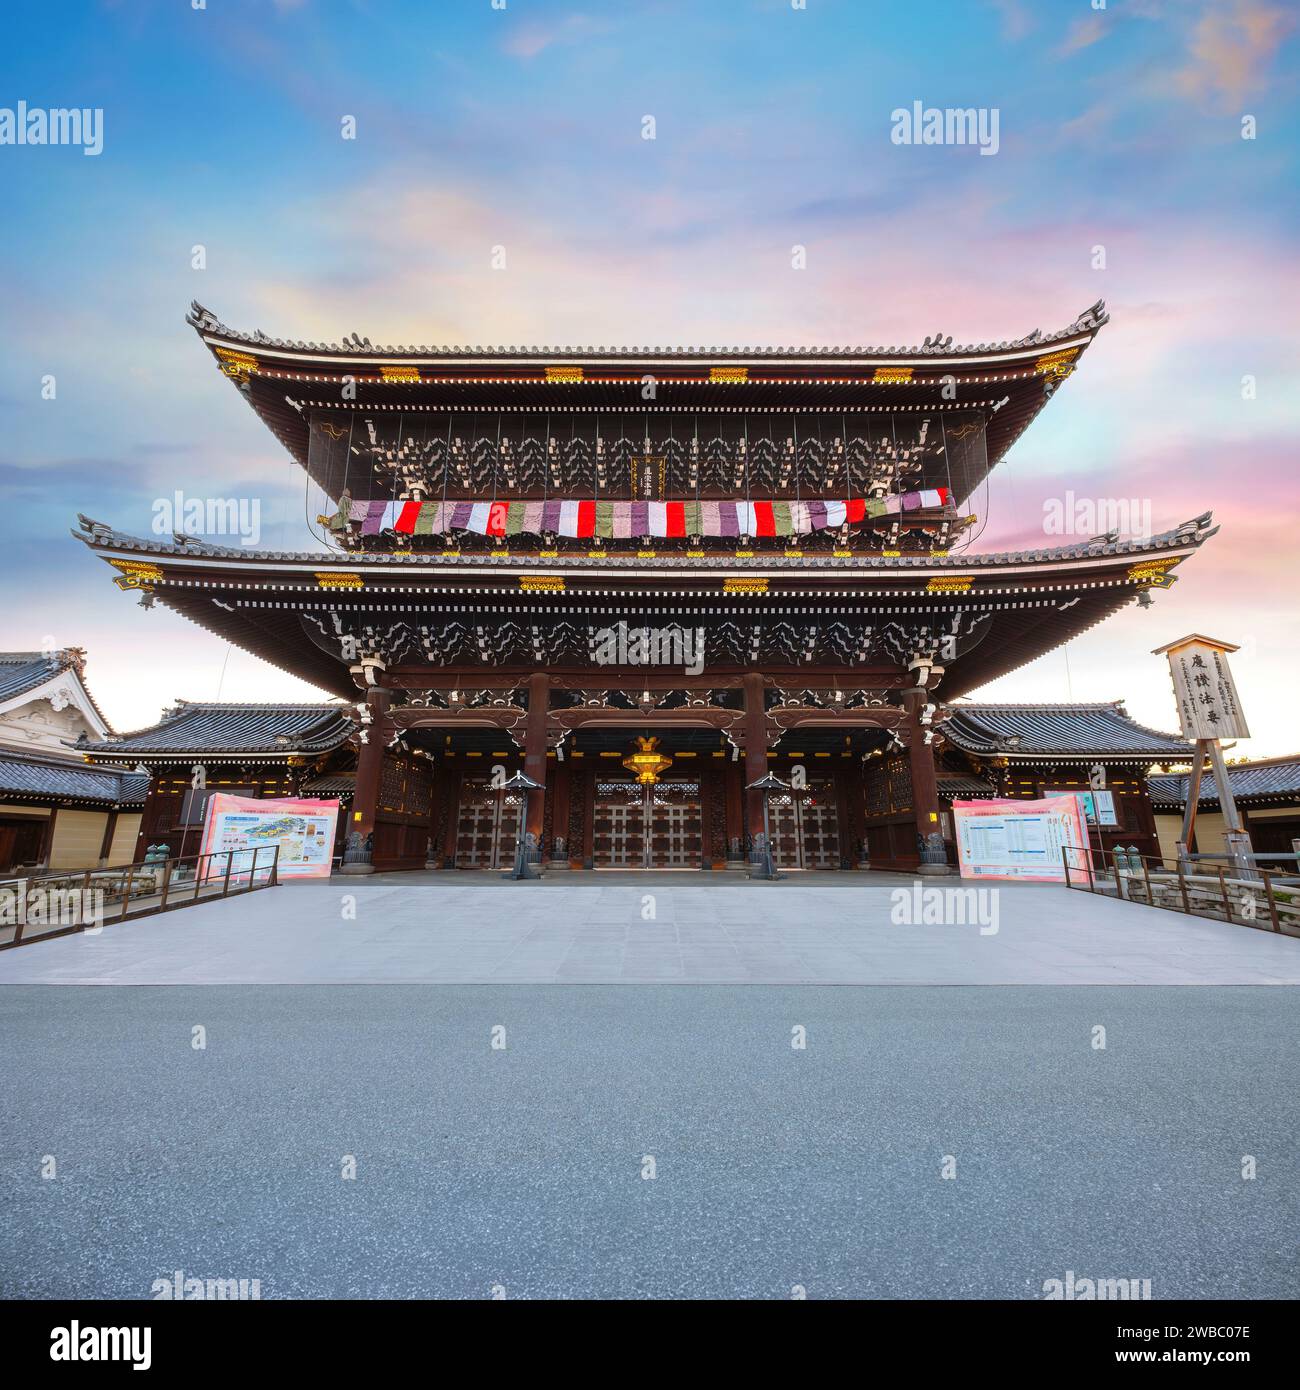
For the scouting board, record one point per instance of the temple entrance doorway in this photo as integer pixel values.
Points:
(647, 827)
(490, 822)
(805, 829)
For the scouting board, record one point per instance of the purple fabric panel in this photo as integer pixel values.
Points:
(640, 518)
(728, 521)
(460, 514)
(374, 518)
(817, 516)
(551, 515)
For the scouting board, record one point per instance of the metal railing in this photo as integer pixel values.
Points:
(1267, 899)
(39, 907)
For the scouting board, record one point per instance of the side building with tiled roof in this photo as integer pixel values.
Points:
(253, 750)
(55, 812)
(1267, 793)
(1028, 751)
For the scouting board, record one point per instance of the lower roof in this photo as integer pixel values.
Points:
(1071, 730)
(1270, 779)
(214, 729)
(54, 781)
(296, 610)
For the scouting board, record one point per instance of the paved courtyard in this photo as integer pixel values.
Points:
(658, 928)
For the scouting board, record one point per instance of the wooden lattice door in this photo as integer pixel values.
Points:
(805, 831)
(675, 826)
(489, 827)
(618, 826)
(819, 833)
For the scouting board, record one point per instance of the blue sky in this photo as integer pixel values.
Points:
(521, 127)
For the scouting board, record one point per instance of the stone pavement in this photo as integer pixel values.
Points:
(598, 929)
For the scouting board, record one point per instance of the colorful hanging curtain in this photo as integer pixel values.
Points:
(627, 520)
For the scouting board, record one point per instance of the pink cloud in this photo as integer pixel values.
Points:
(528, 39)
(1230, 51)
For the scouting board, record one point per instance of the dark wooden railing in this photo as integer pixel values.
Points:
(39, 907)
(1268, 899)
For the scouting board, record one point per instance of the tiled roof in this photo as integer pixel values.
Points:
(194, 728)
(335, 784)
(36, 780)
(24, 671)
(934, 346)
(1072, 730)
(1276, 778)
(21, 671)
(99, 535)
(953, 787)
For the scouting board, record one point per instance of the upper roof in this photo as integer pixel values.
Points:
(355, 347)
(1073, 730)
(38, 780)
(1275, 779)
(231, 729)
(288, 381)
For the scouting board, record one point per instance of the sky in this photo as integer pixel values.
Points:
(1122, 173)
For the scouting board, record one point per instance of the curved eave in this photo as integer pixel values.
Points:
(358, 351)
(1038, 601)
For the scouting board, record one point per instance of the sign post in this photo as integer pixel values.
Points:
(1208, 711)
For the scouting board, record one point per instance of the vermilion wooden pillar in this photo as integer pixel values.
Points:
(755, 749)
(539, 700)
(370, 762)
(925, 784)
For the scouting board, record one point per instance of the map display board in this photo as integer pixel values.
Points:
(1012, 839)
(1098, 804)
(304, 830)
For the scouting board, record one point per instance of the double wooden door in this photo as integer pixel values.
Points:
(490, 823)
(643, 827)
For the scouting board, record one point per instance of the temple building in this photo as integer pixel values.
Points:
(645, 578)
(56, 813)
(1267, 795)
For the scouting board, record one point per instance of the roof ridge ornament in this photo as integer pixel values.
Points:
(1092, 318)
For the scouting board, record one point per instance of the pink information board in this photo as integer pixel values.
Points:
(1013, 839)
(303, 828)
